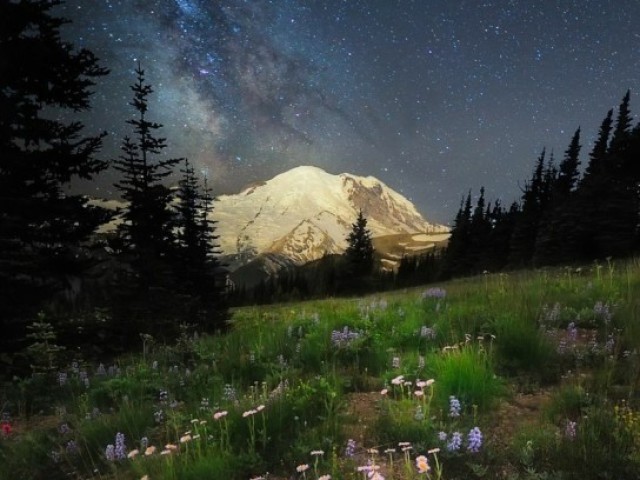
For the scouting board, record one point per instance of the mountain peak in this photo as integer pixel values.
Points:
(309, 211)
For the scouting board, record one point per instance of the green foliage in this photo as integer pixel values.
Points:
(521, 347)
(466, 371)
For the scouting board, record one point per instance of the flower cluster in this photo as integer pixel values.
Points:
(117, 451)
(434, 292)
(344, 338)
(603, 312)
(454, 442)
(427, 332)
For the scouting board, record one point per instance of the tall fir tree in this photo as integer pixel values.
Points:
(456, 257)
(558, 233)
(145, 237)
(201, 276)
(43, 81)
(534, 202)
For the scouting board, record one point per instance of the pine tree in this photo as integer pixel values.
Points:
(359, 252)
(456, 259)
(535, 201)
(42, 225)
(201, 276)
(623, 125)
(145, 237)
(558, 232)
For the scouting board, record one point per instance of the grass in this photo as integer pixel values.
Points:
(543, 363)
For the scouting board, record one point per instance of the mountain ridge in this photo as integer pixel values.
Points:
(305, 213)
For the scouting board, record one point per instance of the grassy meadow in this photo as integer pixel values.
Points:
(528, 375)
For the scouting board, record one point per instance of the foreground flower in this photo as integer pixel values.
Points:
(133, 453)
(455, 443)
(150, 451)
(474, 440)
(325, 477)
(316, 453)
(302, 468)
(422, 464)
(219, 415)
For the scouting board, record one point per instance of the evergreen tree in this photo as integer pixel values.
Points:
(479, 231)
(623, 125)
(359, 252)
(535, 198)
(559, 228)
(200, 273)
(42, 225)
(456, 261)
(145, 237)
(598, 154)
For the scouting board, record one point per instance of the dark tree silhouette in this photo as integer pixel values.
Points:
(42, 225)
(359, 252)
(145, 237)
(201, 276)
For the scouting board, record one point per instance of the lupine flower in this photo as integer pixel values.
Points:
(474, 440)
(121, 449)
(442, 436)
(454, 407)
(570, 430)
(101, 371)
(455, 443)
(350, 451)
(395, 363)
(344, 338)
(435, 292)
(144, 443)
(62, 379)
(110, 453)
(72, 447)
(63, 428)
(422, 464)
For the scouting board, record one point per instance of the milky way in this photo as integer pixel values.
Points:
(431, 96)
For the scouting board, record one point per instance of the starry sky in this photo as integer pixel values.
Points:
(433, 97)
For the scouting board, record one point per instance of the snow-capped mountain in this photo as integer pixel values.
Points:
(305, 213)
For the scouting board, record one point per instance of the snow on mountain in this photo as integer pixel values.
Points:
(304, 213)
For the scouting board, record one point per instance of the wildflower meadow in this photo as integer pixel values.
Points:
(529, 375)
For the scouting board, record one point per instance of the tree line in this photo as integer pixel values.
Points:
(59, 281)
(563, 216)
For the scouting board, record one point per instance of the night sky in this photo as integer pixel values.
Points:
(433, 97)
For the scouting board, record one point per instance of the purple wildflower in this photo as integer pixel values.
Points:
(442, 436)
(350, 451)
(120, 447)
(110, 453)
(455, 443)
(454, 407)
(474, 440)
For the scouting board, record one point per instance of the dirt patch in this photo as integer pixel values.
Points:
(361, 415)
